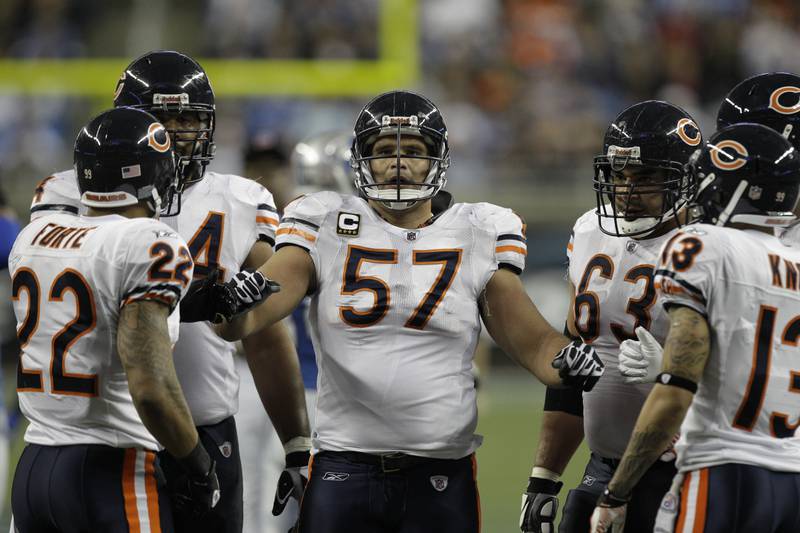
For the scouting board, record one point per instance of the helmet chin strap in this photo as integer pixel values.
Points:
(648, 225)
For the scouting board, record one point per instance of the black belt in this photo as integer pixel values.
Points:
(613, 463)
(388, 462)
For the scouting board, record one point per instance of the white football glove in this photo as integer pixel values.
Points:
(608, 519)
(608, 515)
(640, 360)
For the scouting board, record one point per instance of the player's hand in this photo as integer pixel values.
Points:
(579, 365)
(292, 481)
(250, 288)
(207, 300)
(609, 515)
(197, 494)
(539, 506)
(640, 360)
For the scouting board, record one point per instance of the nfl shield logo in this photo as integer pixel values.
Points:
(439, 482)
(225, 449)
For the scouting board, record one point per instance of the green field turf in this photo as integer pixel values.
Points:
(509, 415)
(510, 407)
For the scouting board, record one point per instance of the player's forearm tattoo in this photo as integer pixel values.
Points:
(643, 449)
(687, 346)
(143, 342)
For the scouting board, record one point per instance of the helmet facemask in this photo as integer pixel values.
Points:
(400, 193)
(194, 149)
(626, 207)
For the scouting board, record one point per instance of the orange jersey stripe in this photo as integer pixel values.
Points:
(570, 247)
(152, 492)
(267, 220)
(129, 490)
(517, 249)
(702, 503)
(294, 231)
(684, 502)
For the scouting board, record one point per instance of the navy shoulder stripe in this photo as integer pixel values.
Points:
(300, 221)
(511, 237)
(55, 207)
(266, 207)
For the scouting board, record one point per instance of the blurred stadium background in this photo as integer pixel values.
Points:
(527, 88)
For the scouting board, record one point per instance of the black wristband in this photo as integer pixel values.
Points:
(297, 459)
(197, 463)
(544, 486)
(608, 499)
(665, 378)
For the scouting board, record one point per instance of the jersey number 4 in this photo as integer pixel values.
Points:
(353, 282)
(61, 381)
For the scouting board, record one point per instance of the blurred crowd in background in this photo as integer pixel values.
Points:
(527, 87)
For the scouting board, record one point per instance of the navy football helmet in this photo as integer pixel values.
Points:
(168, 83)
(400, 113)
(124, 156)
(770, 99)
(655, 140)
(747, 173)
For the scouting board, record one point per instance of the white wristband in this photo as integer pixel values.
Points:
(544, 473)
(297, 444)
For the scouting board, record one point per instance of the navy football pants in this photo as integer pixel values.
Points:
(348, 496)
(87, 488)
(735, 498)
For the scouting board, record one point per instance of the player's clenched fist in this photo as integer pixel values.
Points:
(579, 365)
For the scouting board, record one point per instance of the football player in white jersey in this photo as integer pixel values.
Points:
(92, 295)
(728, 377)
(399, 280)
(229, 223)
(642, 195)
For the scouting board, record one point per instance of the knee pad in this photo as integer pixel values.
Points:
(578, 509)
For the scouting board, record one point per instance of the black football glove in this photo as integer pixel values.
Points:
(539, 506)
(196, 490)
(579, 365)
(250, 288)
(292, 481)
(208, 300)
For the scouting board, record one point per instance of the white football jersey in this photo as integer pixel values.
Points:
(71, 275)
(747, 406)
(221, 217)
(395, 320)
(58, 193)
(614, 294)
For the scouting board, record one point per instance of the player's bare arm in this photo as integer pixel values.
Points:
(685, 354)
(293, 269)
(146, 353)
(518, 328)
(275, 366)
(561, 432)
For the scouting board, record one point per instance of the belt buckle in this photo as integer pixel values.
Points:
(389, 456)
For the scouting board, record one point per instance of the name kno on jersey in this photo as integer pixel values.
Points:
(61, 237)
(786, 279)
